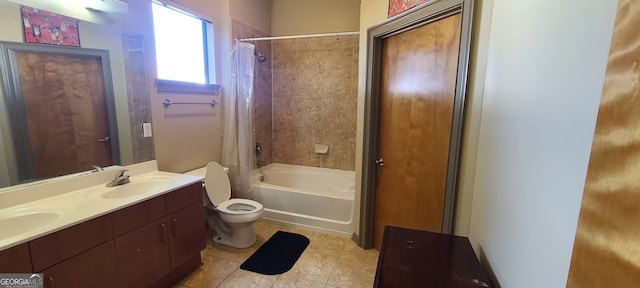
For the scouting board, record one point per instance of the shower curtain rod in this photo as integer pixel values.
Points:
(300, 36)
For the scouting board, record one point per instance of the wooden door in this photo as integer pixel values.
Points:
(65, 111)
(418, 85)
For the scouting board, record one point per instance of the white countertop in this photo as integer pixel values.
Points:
(33, 211)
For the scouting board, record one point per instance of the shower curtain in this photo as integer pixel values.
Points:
(237, 143)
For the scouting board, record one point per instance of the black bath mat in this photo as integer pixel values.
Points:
(278, 254)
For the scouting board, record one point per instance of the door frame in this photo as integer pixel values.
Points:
(422, 15)
(15, 105)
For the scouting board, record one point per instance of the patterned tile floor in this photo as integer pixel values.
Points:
(328, 262)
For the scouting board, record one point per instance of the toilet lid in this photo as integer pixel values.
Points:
(217, 183)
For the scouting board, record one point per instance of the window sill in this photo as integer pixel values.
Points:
(170, 86)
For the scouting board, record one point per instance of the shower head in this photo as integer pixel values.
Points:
(261, 58)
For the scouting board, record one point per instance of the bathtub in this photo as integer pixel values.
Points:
(316, 198)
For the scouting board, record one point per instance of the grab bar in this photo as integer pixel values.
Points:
(167, 103)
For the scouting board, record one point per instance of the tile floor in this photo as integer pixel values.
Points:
(328, 262)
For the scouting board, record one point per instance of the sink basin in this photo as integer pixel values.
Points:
(18, 221)
(139, 185)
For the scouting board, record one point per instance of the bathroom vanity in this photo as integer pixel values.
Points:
(149, 234)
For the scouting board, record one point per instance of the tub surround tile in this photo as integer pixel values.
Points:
(284, 60)
(320, 70)
(337, 84)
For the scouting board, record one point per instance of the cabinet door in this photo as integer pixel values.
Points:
(94, 268)
(143, 255)
(186, 233)
(16, 260)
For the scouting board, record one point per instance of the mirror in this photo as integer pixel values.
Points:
(130, 86)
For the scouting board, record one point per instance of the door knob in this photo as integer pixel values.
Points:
(380, 162)
(105, 139)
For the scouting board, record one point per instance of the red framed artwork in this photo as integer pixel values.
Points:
(398, 6)
(44, 27)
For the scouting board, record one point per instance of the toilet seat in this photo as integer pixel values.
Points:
(219, 192)
(239, 206)
(217, 184)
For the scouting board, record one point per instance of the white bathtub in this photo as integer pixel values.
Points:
(317, 198)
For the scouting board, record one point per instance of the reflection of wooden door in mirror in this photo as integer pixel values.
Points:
(65, 112)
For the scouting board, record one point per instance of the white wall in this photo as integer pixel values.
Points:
(256, 14)
(545, 71)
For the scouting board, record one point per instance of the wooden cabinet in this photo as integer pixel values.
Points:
(148, 254)
(150, 244)
(59, 246)
(135, 216)
(94, 268)
(186, 233)
(16, 260)
(143, 255)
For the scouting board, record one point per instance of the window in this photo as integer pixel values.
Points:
(183, 49)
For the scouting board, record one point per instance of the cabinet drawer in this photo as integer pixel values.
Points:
(59, 246)
(183, 197)
(95, 268)
(16, 260)
(137, 215)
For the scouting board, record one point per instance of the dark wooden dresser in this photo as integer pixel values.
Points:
(412, 258)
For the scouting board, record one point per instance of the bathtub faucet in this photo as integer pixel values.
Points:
(261, 164)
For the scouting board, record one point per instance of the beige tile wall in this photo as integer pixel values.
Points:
(305, 93)
(314, 100)
(262, 89)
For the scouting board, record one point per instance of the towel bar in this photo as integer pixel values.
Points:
(167, 103)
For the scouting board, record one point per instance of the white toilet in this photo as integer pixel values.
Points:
(231, 219)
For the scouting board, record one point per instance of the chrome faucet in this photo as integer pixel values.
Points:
(120, 179)
(96, 168)
(261, 164)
